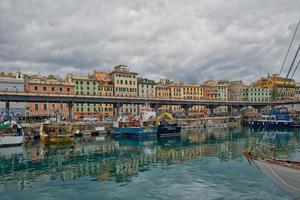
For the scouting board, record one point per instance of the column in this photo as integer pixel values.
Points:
(70, 106)
(7, 107)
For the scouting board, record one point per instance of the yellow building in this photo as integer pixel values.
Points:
(281, 88)
(162, 92)
(194, 92)
(179, 90)
(105, 88)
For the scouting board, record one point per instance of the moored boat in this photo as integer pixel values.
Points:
(284, 173)
(277, 118)
(11, 134)
(167, 128)
(56, 133)
(135, 129)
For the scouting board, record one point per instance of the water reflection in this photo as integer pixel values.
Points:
(121, 160)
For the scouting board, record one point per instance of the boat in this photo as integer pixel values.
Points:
(167, 128)
(98, 130)
(11, 132)
(277, 118)
(296, 122)
(134, 128)
(284, 173)
(58, 133)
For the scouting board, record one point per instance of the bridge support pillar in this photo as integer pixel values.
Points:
(117, 109)
(211, 110)
(70, 108)
(7, 107)
(238, 110)
(229, 110)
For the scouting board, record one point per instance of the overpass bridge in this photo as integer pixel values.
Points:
(119, 101)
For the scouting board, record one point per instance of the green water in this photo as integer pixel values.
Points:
(202, 164)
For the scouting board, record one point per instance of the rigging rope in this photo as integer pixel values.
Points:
(287, 53)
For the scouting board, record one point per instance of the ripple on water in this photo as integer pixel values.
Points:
(181, 169)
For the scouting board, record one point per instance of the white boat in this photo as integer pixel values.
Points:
(10, 140)
(99, 130)
(284, 173)
(11, 132)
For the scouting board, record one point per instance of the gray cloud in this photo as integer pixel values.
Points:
(192, 40)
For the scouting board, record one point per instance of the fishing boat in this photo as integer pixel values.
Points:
(98, 130)
(167, 128)
(11, 132)
(277, 118)
(134, 128)
(56, 133)
(284, 173)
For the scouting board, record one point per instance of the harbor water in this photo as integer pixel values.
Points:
(201, 164)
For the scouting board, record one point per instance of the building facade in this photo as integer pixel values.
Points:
(146, 88)
(281, 88)
(297, 92)
(13, 82)
(47, 85)
(236, 90)
(106, 88)
(125, 85)
(85, 85)
(252, 93)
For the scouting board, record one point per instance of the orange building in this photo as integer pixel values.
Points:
(47, 85)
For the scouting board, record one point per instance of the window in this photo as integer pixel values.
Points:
(68, 89)
(60, 89)
(35, 88)
(36, 106)
(44, 88)
(45, 106)
(52, 89)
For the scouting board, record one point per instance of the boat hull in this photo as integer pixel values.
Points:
(56, 139)
(285, 177)
(9, 141)
(267, 125)
(173, 130)
(136, 132)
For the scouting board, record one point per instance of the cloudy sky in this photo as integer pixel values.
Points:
(191, 40)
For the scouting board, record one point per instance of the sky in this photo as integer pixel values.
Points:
(189, 40)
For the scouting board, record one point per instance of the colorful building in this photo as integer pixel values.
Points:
(47, 85)
(252, 93)
(106, 88)
(125, 85)
(297, 92)
(85, 85)
(210, 91)
(236, 90)
(146, 88)
(281, 88)
(13, 82)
